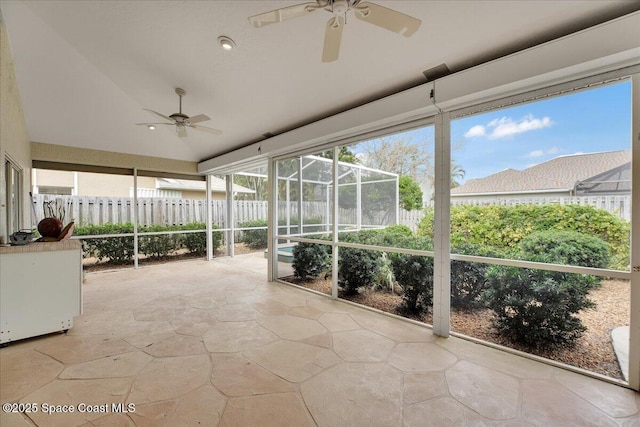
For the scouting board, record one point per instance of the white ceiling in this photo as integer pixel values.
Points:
(86, 69)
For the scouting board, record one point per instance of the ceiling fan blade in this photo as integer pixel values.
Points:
(182, 131)
(199, 118)
(207, 129)
(163, 123)
(285, 13)
(332, 39)
(387, 18)
(160, 115)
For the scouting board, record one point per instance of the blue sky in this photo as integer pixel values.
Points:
(588, 121)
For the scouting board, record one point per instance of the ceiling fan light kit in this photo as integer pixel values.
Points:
(372, 13)
(181, 121)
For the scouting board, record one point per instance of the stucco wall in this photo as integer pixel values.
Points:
(14, 139)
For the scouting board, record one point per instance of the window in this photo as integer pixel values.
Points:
(14, 196)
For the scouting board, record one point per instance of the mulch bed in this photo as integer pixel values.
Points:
(593, 351)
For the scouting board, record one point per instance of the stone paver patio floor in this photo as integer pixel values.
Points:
(213, 343)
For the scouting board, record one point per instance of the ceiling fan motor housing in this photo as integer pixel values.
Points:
(179, 117)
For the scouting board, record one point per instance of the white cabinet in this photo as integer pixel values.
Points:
(40, 288)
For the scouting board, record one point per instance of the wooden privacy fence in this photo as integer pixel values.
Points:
(618, 205)
(86, 210)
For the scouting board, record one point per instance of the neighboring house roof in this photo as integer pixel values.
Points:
(562, 173)
(217, 185)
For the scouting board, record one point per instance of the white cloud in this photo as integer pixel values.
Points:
(536, 153)
(475, 131)
(540, 153)
(506, 126)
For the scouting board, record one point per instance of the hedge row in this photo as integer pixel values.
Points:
(119, 250)
(533, 307)
(504, 227)
(258, 239)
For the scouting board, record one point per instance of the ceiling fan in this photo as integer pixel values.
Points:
(182, 121)
(368, 12)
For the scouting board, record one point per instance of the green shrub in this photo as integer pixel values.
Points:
(414, 274)
(359, 268)
(399, 229)
(538, 308)
(255, 239)
(566, 247)
(468, 280)
(310, 259)
(118, 250)
(158, 245)
(197, 242)
(504, 227)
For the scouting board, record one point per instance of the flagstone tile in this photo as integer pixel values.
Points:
(153, 414)
(486, 391)
(235, 375)
(181, 345)
(306, 312)
(611, 399)
(293, 361)
(355, 394)
(421, 386)
(235, 312)
(273, 410)
(421, 357)
(194, 322)
(394, 329)
(338, 322)
(230, 337)
(71, 393)
(362, 346)
(170, 377)
(292, 328)
(76, 349)
(545, 403)
(24, 372)
(201, 407)
(442, 412)
(121, 365)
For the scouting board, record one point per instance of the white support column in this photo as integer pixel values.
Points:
(334, 219)
(358, 199)
(328, 213)
(135, 217)
(300, 195)
(75, 184)
(441, 228)
(634, 321)
(288, 205)
(230, 217)
(272, 222)
(209, 216)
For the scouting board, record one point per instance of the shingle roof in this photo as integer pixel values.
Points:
(217, 185)
(560, 173)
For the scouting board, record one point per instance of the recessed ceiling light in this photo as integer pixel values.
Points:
(151, 127)
(226, 42)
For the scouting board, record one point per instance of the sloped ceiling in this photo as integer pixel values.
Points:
(86, 69)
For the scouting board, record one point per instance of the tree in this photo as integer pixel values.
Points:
(410, 193)
(457, 174)
(401, 155)
(256, 183)
(344, 155)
